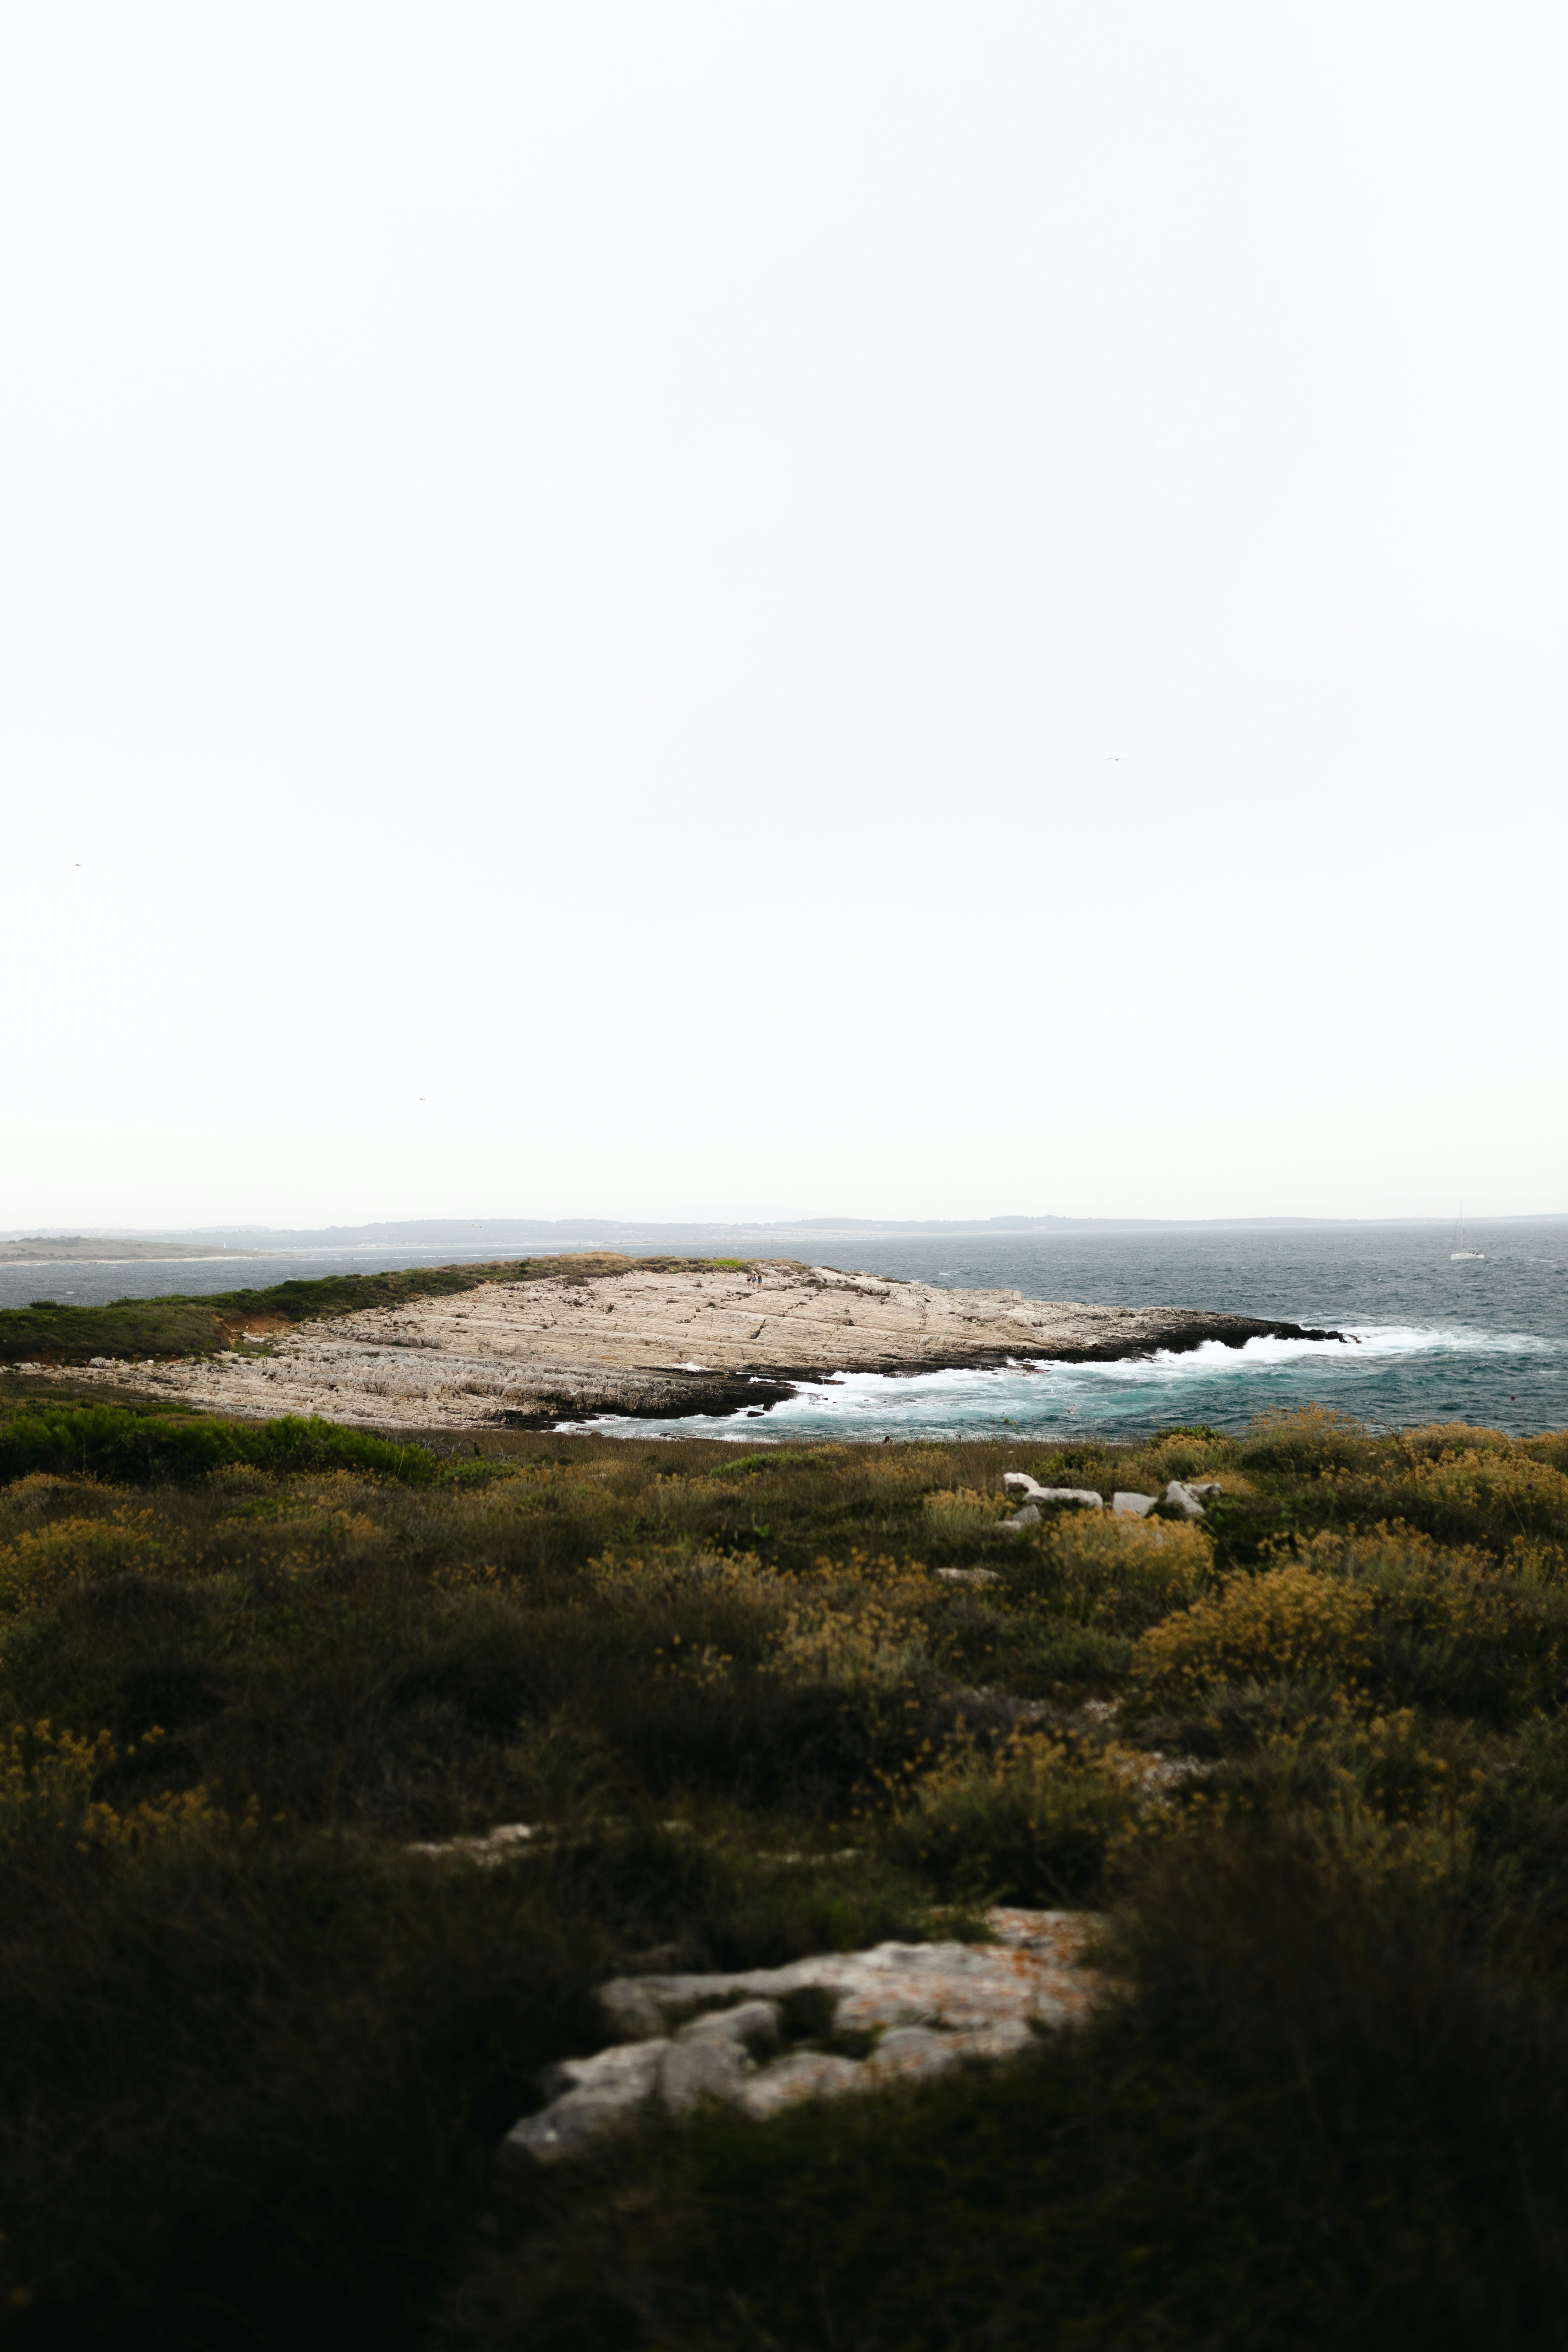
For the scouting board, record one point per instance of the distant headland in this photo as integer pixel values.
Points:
(529, 1343)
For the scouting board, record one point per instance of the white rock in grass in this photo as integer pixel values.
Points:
(1032, 1493)
(713, 2068)
(628, 2070)
(749, 2022)
(594, 2098)
(915, 2050)
(967, 1986)
(810, 2075)
(1137, 1506)
(1185, 1498)
(927, 2006)
(494, 1845)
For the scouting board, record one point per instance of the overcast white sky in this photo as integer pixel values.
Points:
(895, 610)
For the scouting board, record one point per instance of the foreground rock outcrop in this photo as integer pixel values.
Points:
(891, 2014)
(1190, 1500)
(654, 1340)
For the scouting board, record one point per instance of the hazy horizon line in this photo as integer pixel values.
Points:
(437, 1230)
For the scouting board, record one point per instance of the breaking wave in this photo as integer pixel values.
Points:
(1385, 1374)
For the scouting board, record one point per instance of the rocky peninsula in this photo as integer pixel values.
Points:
(650, 1339)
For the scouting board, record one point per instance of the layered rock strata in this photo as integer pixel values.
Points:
(653, 1342)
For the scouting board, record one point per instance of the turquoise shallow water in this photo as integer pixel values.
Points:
(1484, 1342)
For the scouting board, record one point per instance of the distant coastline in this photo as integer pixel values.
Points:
(784, 1237)
(79, 1249)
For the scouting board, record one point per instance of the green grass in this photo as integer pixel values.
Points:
(116, 1441)
(255, 2056)
(135, 1330)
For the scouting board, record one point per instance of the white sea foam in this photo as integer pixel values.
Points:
(1370, 1342)
(1403, 1340)
(1378, 1372)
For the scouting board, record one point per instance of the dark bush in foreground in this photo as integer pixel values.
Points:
(256, 2055)
(1312, 2121)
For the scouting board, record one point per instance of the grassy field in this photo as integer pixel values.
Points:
(255, 2056)
(150, 1329)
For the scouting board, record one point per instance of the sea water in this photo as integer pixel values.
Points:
(1483, 1340)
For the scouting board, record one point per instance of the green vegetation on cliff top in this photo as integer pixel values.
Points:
(136, 1330)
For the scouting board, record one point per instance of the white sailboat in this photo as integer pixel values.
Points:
(1459, 1250)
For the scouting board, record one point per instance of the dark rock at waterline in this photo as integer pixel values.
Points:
(669, 1396)
(662, 1397)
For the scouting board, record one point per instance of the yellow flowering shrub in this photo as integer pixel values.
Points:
(1030, 1821)
(909, 1579)
(1099, 1556)
(1433, 1439)
(1491, 1478)
(47, 1780)
(41, 1561)
(41, 1486)
(340, 1531)
(671, 1571)
(857, 1620)
(957, 1511)
(158, 1820)
(1293, 1623)
(1308, 1441)
(46, 1777)
(467, 1576)
(1181, 1454)
(1365, 1793)
(857, 1639)
(1442, 1589)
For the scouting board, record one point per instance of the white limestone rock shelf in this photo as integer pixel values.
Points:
(644, 1339)
(915, 2009)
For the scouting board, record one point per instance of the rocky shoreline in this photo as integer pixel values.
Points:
(652, 1341)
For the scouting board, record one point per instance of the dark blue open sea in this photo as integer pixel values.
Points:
(1483, 1341)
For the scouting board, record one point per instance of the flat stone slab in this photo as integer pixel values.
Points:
(655, 1340)
(914, 2010)
(1032, 1492)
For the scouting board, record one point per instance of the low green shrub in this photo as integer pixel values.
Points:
(1033, 1820)
(111, 1442)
